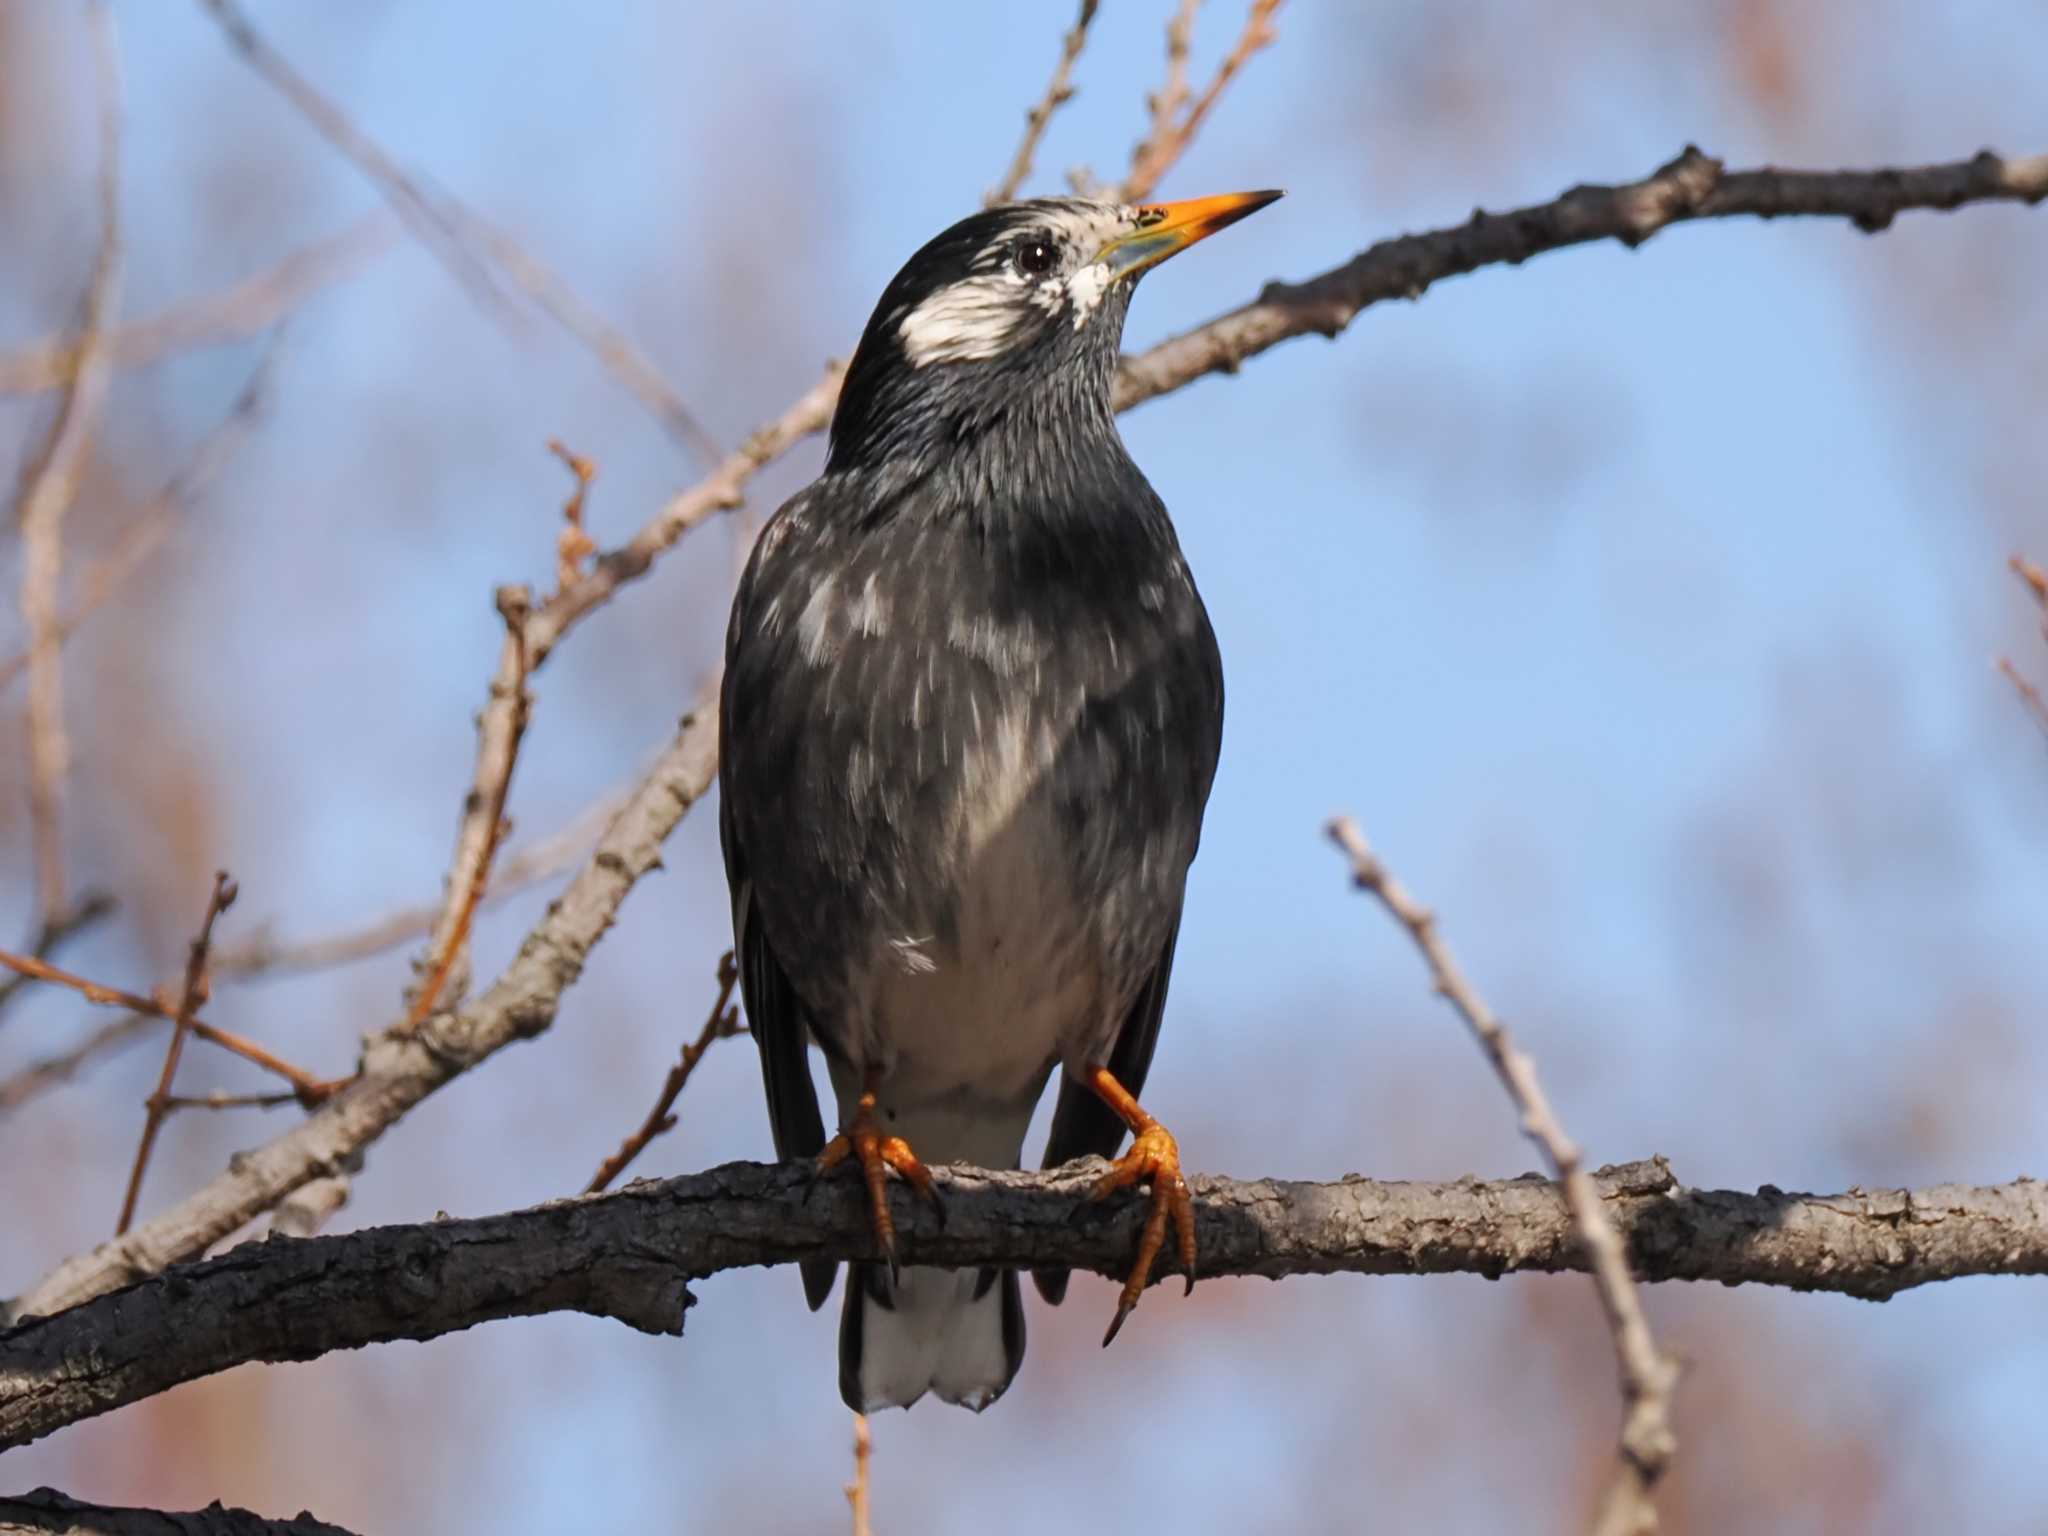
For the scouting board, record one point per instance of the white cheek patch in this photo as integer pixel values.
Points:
(980, 317)
(1085, 290)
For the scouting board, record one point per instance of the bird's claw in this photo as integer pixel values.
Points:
(863, 1143)
(1154, 1159)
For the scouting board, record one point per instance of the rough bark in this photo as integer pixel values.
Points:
(46, 1512)
(628, 1255)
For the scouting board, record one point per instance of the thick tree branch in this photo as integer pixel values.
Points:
(47, 1512)
(628, 1254)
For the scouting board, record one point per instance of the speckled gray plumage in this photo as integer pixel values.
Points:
(971, 712)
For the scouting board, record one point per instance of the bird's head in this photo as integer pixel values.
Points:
(1013, 314)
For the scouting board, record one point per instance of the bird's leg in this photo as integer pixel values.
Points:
(862, 1140)
(1154, 1159)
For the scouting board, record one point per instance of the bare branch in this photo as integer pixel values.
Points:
(251, 307)
(1693, 186)
(723, 1022)
(857, 1490)
(1172, 131)
(499, 730)
(450, 229)
(2030, 696)
(628, 1254)
(721, 491)
(47, 1512)
(189, 1003)
(1057, 93)
(1648, 1377)
(53, 486)
(401, 1067)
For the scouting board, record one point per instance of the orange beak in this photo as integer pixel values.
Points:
(1166, 229)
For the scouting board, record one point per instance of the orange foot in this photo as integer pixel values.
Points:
(1154, 1159)
(864, 1143)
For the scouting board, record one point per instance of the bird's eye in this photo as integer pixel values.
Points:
(1034, 257)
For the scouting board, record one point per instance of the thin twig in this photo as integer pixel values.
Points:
(1163, 105)
(189, 1002)
(1648, 1377)
(92, 991)
(1057, 93)
(2033, 578)
(500, 729)
(452, 231)
(1172, 132)
(723, 1021)
(54, 486)
(249, 308)
(309, 1090)
(722, 490)
(573, 545)
(106, 576)
(220, 1100)
(857, 1490)
(2030, 696)
(55, 934)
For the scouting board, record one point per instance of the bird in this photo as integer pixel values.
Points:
(971, 710)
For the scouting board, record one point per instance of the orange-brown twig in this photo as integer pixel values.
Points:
(857, 1490)
(2030, 696)
(1172, 131)
(723, 1020)
(189, 1002)
(306, 1088)
(91, 991)
(220, 1100)
(2035, 578)
(573, 545)
(54, 933)
(499, 731)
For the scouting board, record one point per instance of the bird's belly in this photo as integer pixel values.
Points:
(972, 1013)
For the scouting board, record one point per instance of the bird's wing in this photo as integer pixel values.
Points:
(777, 1020)
(1082, 1125)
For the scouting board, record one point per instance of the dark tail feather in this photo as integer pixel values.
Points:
(1051, 1283)
(818, 1277)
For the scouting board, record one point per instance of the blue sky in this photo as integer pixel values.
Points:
(1640, 604)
